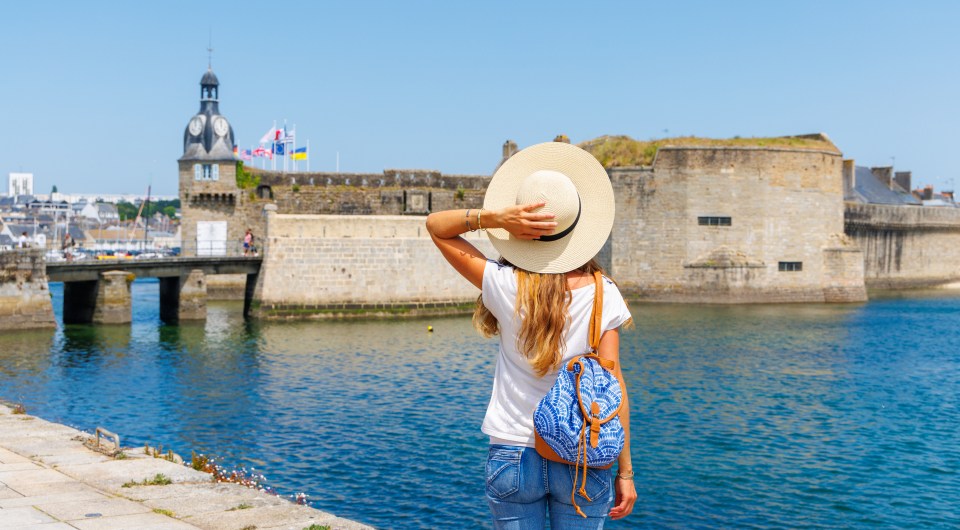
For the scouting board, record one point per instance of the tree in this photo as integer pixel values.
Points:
(170, 211)
(54, 190)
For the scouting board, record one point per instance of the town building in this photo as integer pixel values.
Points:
(19, 184)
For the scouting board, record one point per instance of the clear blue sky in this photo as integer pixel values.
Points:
(94, 96)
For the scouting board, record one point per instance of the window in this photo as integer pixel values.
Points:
(714, 221)
(790, 266)
(206, 172)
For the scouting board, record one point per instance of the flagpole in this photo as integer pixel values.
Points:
(308, 156)
(273, 144)
(338, 162)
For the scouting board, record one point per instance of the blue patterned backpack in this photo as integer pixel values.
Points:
(578, 421)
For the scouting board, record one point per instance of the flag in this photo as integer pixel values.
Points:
(247, 154)
(278, 148)
(280, 134)
(299, 154)
(270, 136)
(235, 152)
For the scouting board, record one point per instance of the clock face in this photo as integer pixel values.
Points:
(220, 126)
(196, 125)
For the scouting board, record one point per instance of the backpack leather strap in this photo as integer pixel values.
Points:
(596, 317)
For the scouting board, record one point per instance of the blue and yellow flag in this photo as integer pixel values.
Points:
(299, 154)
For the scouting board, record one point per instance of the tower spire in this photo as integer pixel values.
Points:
(210, 50)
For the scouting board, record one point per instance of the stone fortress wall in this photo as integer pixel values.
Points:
(906, 246)
(391, 193)
(715, 225)
(332, 265)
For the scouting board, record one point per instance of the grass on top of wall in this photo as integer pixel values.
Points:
(620, 151)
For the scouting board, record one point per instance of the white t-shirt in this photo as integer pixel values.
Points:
(516, 386)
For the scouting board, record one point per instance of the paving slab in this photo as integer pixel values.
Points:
(43, 526)
(18, 479)
(49, 488)
(20, 466)
(111, 475)
(24, 515)
(188, 500)
(142, 521)
(275, 516)
(81, 510)
(84, 456)
(41, 500)
(9, 457)
(7, 493)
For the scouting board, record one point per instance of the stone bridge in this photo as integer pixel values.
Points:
(99, 291)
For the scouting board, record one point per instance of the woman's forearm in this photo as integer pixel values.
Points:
(519, 220)
(624, 462)
(451, 223)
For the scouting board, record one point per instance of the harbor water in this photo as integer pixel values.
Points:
(769, 416)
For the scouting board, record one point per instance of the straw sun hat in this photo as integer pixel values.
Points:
(577, 191)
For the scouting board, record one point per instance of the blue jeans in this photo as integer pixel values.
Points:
(522, 485)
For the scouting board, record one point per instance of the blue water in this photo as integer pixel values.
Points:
(788, 416)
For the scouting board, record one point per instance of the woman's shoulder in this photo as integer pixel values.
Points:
(610, 289)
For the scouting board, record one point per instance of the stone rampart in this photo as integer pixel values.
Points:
(734, 225)
(393, 192)
(326, 265)
(24, 294)
(906, 246)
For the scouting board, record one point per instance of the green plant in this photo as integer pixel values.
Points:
(120, 456)
(618, 151)
(158, 480)
(199, 462)
(241, 506)
(460, 193)
(246, 179)
(317, 527)
(250, 527)
(296, 188)
(161, 511)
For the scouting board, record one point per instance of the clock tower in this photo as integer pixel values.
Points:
(208, 187)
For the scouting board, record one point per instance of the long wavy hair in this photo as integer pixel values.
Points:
(543, 303)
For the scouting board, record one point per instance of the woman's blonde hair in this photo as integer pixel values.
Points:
(543, 301)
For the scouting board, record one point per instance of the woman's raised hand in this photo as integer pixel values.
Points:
(524, 223)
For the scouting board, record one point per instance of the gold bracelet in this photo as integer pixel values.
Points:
(467, 220)
(479, 226)
(625, 475)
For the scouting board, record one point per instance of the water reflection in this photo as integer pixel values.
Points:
(25, 352)
(82, 344)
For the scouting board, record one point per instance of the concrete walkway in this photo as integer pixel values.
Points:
(50, 481)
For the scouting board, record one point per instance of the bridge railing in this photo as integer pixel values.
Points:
(136, 249)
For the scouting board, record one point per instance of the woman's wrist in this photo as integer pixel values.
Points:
(625, 474)
(487, 219)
